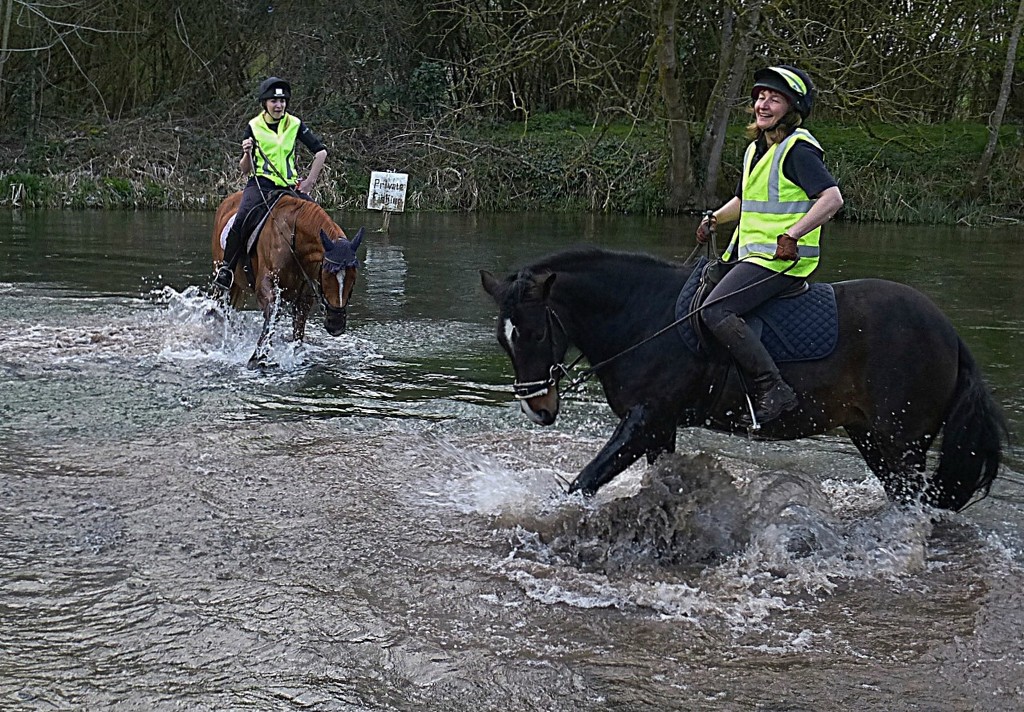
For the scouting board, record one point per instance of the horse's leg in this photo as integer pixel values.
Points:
(640, 432)
(663, 440)
(898, 464)
(300, 313)
(269, 299)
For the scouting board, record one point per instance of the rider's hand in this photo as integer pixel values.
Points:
(247, 145)
(785, 248)
(706, 228)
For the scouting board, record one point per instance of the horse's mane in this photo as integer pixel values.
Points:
(524, 284)
(309, 213)
(589, 258)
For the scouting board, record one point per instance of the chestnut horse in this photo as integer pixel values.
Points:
(301, 255)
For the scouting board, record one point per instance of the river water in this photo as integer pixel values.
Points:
(372, 524)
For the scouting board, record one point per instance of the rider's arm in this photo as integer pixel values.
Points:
(314, 171)
(827, 204)
(805, 167)
(245, 162)
(729, 212)
(311, 141)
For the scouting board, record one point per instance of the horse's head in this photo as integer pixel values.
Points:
(340, 263)
(533, 336)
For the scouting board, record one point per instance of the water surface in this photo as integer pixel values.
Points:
(372, 524)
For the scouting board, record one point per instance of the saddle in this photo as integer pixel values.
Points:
(802, 324)
(259, 214)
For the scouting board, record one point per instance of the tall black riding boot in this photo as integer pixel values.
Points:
(232, 251)
(772, 395)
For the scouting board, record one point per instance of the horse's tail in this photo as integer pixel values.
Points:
(972, 439)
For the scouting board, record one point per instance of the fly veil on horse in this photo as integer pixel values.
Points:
(896, 374)
(300, 256)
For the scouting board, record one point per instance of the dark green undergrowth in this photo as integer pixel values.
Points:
(554, 162)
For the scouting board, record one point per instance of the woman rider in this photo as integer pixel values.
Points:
(781, 213)
(272, 134)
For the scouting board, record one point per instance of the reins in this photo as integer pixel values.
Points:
(316, 288)
(588, 373)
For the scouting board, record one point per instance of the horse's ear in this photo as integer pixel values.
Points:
(545, 290)
(325, 240)
(358, 238)
(492, 285)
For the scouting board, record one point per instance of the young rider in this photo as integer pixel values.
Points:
(268, 158)
(784, 197)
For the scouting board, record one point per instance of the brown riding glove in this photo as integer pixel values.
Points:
(785, 248)
(706, 227)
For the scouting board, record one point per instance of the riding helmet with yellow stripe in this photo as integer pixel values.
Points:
(792, 82)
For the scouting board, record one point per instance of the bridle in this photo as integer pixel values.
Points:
(524, 390)
(317, 288)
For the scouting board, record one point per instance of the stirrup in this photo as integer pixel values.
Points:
(225, 278)
(758, 410)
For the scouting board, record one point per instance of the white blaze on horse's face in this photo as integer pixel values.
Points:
(510, 332)
(341, 292)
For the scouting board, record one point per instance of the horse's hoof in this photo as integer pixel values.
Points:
(577, 487)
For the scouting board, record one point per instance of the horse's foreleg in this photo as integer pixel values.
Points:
(268, 297)
(300, 313)
(662, 440)
(635, 436)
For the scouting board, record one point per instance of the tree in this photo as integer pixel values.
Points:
(996, 121)
(680, 169)
(739, 28)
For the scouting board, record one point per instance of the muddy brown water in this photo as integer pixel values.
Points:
(372, 525)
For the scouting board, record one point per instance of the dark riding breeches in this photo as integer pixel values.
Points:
(744, 288)
(253, 198)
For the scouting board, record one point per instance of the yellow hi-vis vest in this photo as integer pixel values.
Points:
(274, 157)
(771, 205)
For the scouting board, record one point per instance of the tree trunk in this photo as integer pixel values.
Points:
(737, 39)
(680, 170)
(6, 8)
(996, 122)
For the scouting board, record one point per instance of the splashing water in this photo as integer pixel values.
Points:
(691, 541)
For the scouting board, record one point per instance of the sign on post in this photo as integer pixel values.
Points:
(387, 193)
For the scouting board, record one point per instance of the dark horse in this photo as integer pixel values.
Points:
(898, 376)
(301, 256)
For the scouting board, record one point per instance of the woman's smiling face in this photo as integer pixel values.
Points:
(769, 108)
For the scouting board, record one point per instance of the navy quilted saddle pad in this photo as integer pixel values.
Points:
(800, 328)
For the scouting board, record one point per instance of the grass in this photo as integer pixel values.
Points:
(555, 162)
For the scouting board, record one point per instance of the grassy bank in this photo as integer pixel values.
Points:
(915, 174)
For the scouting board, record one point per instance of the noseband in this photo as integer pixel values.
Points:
(524, 390)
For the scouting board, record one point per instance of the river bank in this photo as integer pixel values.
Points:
(889, 173)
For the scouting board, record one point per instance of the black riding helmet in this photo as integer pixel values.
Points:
(274, 88)
(788, 80)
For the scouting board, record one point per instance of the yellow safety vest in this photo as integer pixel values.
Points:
(274, 157)
(771, 205)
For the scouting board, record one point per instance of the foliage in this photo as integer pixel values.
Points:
(481, 99)
(888, 172)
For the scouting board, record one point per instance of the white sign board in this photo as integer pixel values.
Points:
(387, 191)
